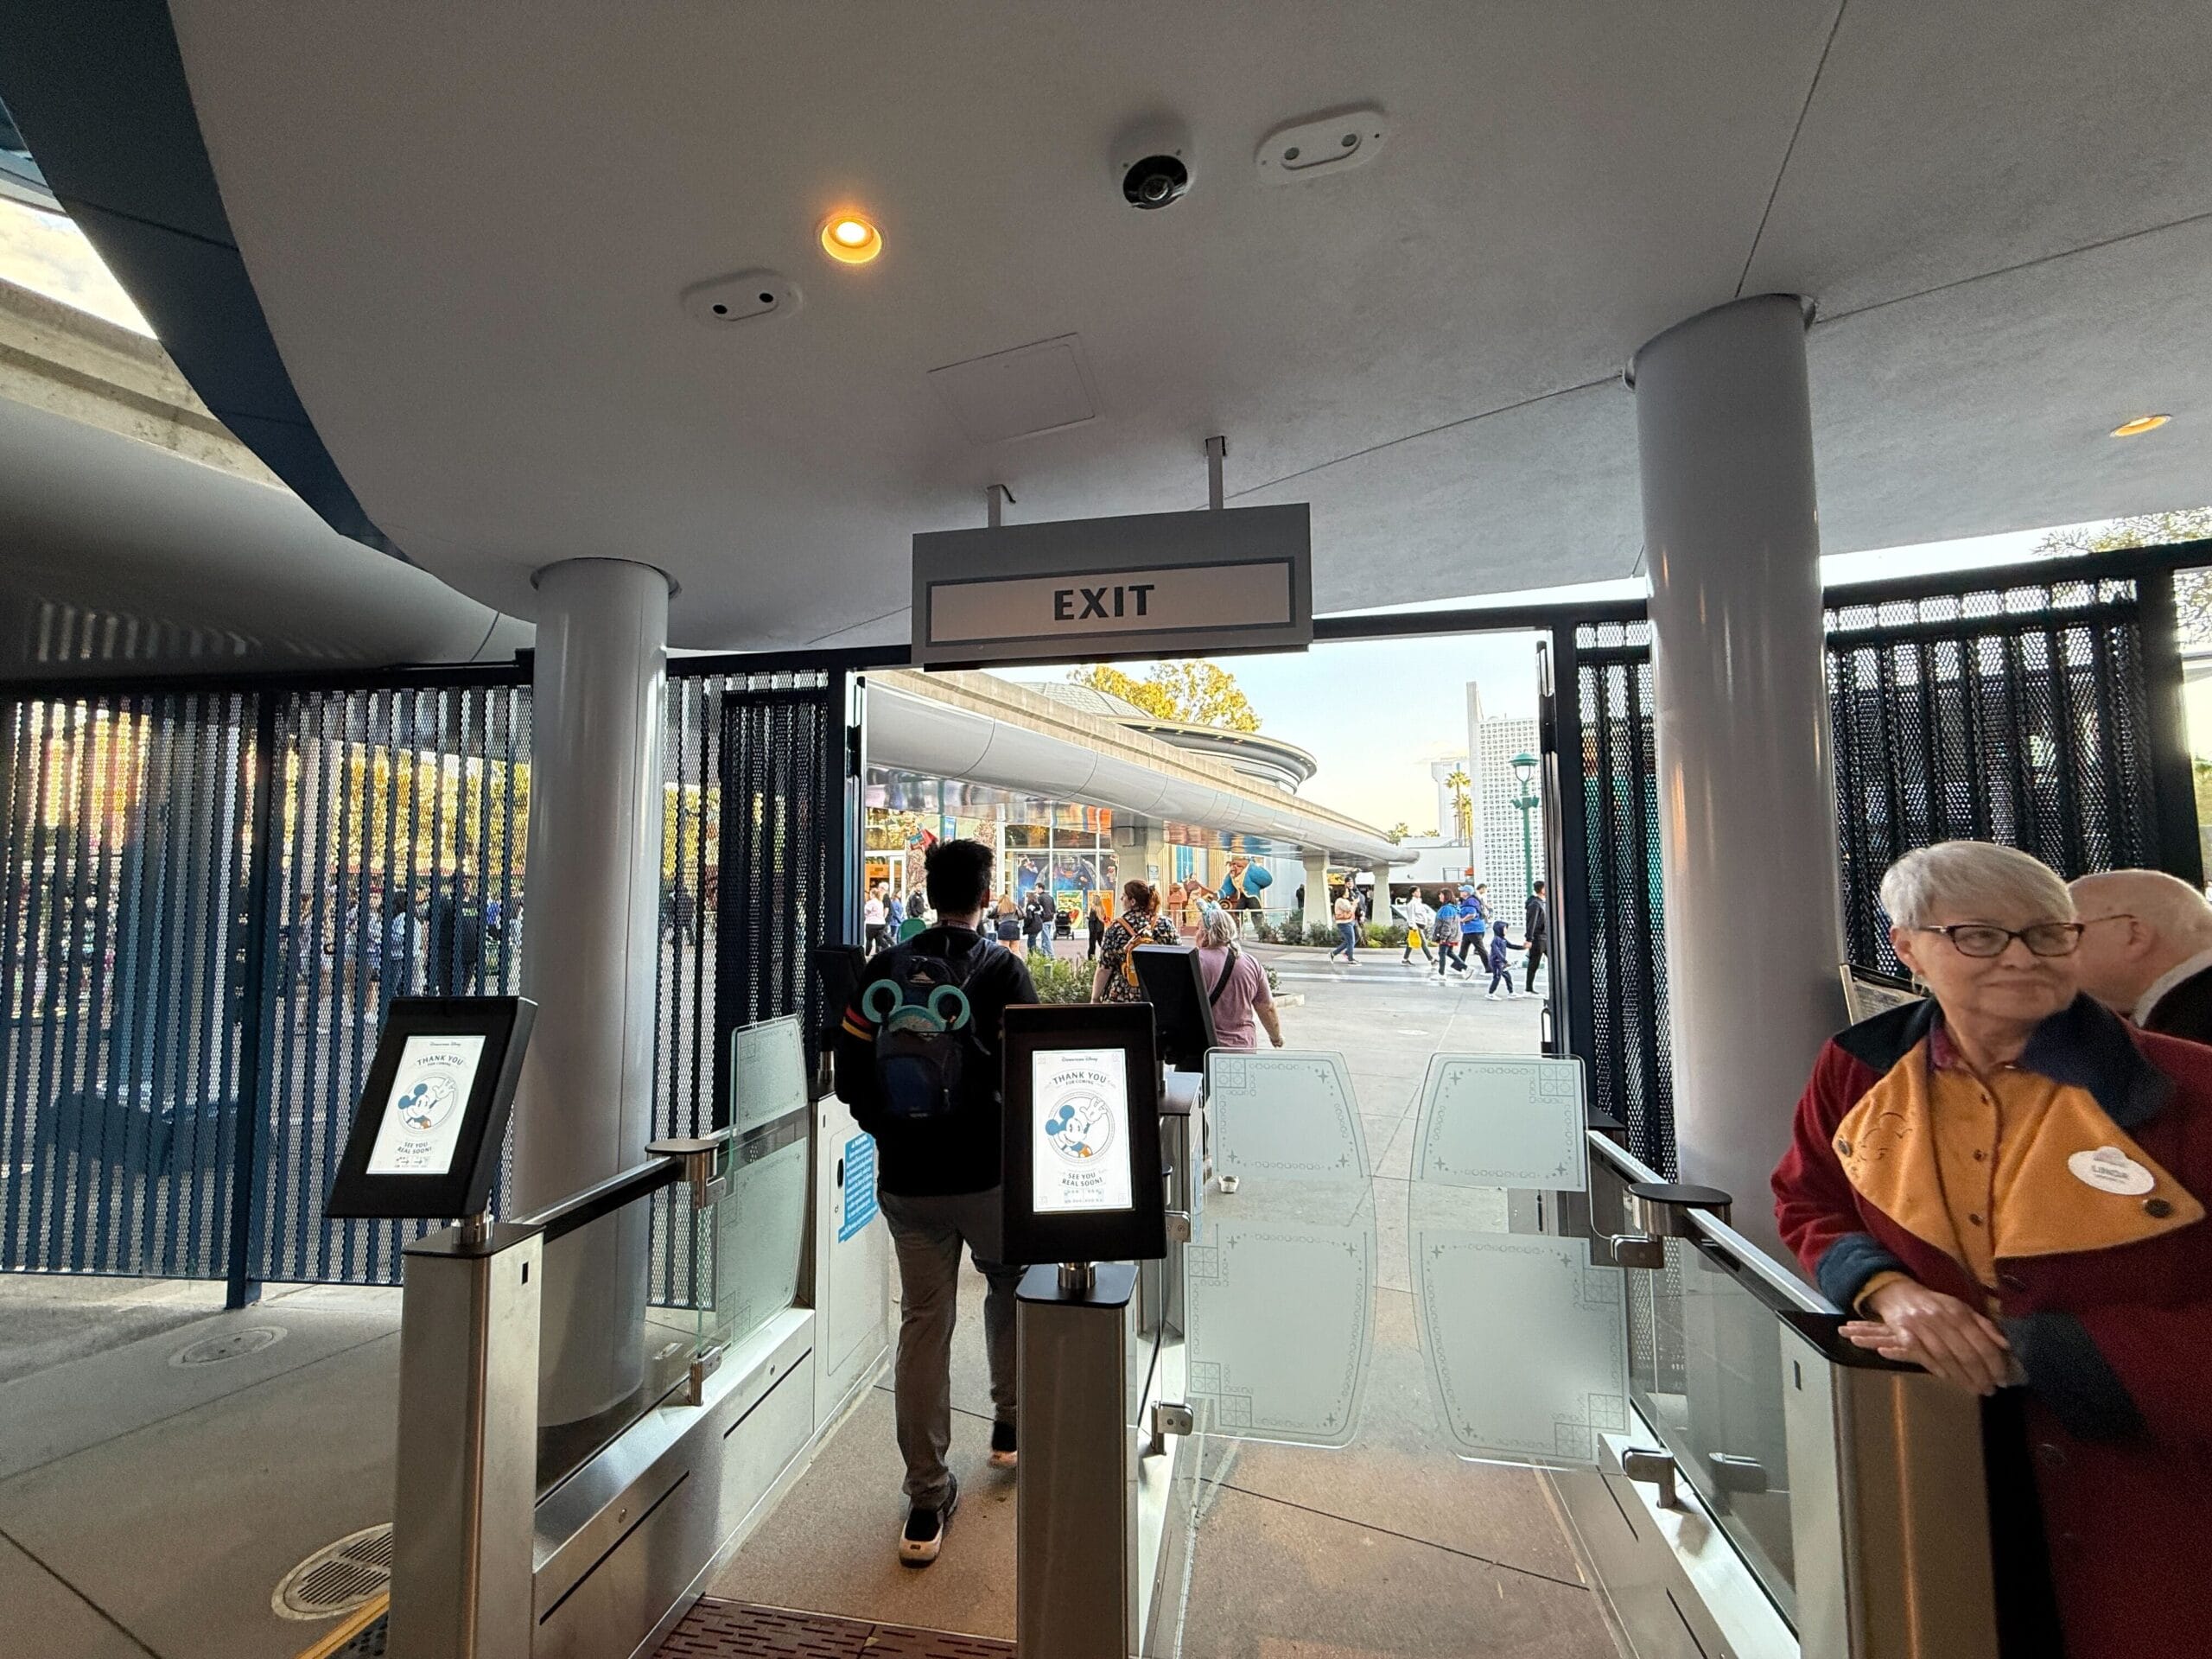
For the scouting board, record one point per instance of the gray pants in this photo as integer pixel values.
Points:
(927, 1233)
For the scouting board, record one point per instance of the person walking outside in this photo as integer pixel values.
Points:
(938, 1184)
(1501, 966)
(1094, 920)
(1347, 916)
(1474, 923)
(1006, 924)
(1140, 923)
(1537, 932)
(872, 919)
(1236, 985)
(1420, 920)
(1449, 950)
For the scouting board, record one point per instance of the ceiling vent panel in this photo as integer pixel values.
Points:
(1322, 146)
(748, 297)
(1020, 393)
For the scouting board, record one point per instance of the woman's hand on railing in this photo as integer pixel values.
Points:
(1937, 1332)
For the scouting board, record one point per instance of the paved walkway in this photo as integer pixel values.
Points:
(1391, 1548)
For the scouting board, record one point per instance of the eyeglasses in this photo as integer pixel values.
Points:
(1984, 939)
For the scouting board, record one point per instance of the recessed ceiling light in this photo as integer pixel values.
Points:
(2139, 425)
(851, 238)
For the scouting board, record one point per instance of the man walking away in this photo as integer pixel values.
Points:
(2146, 950)
(1537, 932)
(937, 1176)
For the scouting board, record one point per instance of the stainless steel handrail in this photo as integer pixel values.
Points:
(1631, 1166)
(1755, 1261)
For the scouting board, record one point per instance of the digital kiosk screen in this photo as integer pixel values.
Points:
(1083, 1179)
(426, 1138)
(1079, 1158)
(421, 1118)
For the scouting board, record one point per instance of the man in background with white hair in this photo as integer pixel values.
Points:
(2146, 950)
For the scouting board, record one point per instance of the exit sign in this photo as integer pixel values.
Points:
(1166, 584)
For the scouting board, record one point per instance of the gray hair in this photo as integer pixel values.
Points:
(1215, 928)
(1980, 879)
(2166, 904)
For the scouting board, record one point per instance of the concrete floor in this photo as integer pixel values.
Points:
(1389, 1550)
(148, 1508)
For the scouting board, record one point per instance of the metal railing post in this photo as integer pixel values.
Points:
(466, 1487)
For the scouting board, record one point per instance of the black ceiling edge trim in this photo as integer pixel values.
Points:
(100, 95)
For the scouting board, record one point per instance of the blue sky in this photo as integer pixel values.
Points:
(1375, 712)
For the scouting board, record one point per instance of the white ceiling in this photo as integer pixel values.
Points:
(468, 226)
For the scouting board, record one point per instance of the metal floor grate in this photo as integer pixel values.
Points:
(729, 1629)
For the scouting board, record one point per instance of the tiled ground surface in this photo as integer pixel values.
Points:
(729, 1629)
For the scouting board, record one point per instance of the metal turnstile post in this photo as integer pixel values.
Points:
(466, 1488)
(1075, 1522)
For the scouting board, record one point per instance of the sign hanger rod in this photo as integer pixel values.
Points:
(994, 498)
(1216, 452)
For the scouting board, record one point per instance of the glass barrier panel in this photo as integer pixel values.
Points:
(1504, 1121)
(1527, 1346)
(1710, 1376)
(1282, 1325)
(767, 1073)
(1280, 1274)
(757, 1231)
(1287, 1114)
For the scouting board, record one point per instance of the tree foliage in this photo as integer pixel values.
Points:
(1463, 804)
(1196, 693)
(2192, 588)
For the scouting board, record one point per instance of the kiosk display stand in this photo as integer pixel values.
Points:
(1084, 1197)
(425, 1144)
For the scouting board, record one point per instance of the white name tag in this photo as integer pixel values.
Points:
(2110, 1170)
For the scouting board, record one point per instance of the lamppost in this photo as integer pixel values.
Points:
(1524, 774)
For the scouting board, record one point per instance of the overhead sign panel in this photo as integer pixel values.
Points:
(1160, 584)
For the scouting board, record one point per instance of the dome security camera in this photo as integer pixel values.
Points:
(1151, 163)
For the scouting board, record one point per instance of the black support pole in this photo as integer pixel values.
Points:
(256, 1089)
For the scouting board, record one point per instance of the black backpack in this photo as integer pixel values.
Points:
(923, 1032)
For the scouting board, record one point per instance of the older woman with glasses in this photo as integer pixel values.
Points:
(2002, 1182)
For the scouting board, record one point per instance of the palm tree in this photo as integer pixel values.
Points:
(1463, 804)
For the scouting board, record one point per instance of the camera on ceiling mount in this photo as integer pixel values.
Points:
(1152, 162)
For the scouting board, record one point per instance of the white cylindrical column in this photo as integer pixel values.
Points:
(1747, 828)
(584, 1107)
(1317, 889)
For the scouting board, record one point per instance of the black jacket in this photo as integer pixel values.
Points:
(1537, 926)
(960, 1152)
(2186, 1010)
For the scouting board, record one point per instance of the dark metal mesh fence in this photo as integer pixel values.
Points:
(127, 824)
(213, 896)
(2016, 714)
(1630, 1067)
(398, 860)
(745, 874)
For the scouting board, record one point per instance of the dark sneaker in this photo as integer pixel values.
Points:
(925, 1531)
(1003, 1454)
